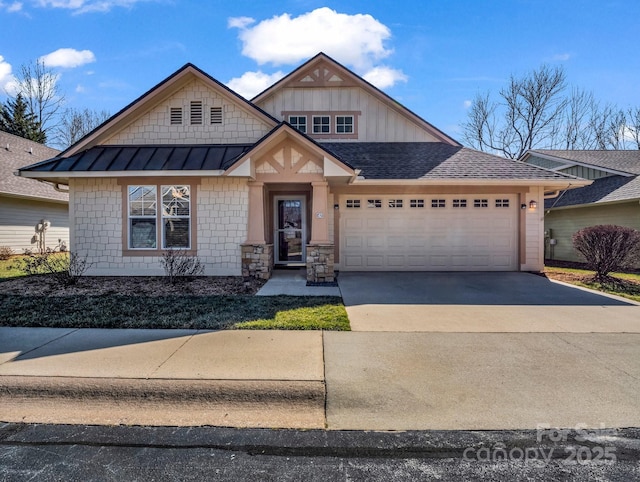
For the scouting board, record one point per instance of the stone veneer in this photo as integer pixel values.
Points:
(257, 260)
(95, 217)
(320, 263)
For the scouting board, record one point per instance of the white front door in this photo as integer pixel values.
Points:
(290, 227)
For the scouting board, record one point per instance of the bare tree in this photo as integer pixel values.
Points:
(633, 127)
(525, 117)
(74, 124)
(38, 84)
(571, 128)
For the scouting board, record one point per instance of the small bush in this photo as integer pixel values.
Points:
(607, 248)
(177, 264)
(5, 253)
(64, 269)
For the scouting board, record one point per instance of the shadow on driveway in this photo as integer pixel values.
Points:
(463, 288)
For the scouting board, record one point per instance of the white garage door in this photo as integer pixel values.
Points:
(428, 233)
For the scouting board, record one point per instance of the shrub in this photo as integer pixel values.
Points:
(5, 253)
(64, 269)
(177, 264)
(607, 248)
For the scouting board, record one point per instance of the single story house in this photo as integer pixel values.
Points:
(612, 198)
(321, 170)
(26, 203)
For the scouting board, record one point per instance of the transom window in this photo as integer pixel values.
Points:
(374, 203)
(438, 203)
(321, 124)
(395, 203)
(344, 124)
(502, 203)
(299, 122)
(174, 217)
(416, 203)
(459, 203)
(353, 203)
(480, 203)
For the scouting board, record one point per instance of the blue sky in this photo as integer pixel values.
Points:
(431, 55)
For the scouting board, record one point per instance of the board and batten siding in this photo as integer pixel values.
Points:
(18, 220)
(565, 222)
(97, 224)
(377, 121)
(154, 126)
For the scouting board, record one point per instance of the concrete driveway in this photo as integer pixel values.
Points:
(480, 302)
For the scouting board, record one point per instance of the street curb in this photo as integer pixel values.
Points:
(171, 390)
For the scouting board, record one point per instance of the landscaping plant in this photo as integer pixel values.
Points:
(177, 264)
(608, 248)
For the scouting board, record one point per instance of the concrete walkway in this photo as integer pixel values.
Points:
(294, 282)
(162, 377)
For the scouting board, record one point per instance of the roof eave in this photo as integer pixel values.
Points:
(63, 177)
(550, 183)
(570, 163)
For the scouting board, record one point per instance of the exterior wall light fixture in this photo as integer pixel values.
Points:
(533, 205)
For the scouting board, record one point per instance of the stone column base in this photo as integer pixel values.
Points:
(257, 260)
(320, 263)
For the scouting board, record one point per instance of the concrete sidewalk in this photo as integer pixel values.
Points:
(162, 377)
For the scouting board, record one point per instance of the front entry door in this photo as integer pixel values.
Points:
(289, 237)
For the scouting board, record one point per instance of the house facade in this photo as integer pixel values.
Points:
(321, 170)
(26, 204)
(612, 198)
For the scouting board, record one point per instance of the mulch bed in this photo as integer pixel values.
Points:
(45, 285)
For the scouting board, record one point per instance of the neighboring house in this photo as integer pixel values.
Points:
(25, 203)
(612, 198)
(321, 170)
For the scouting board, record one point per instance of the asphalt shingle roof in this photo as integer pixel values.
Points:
(603, 190)
(17, 152)
(432, 160)
(625, 161)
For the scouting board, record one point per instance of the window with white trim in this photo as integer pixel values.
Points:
(174, 217)
(480, 203)
(502, 203)
(321, 124)
(438, 203)
(353, 203)
(215, 115)
(344, 124)
(175, 114)
(299, 122)
(459, 203)
(395, 203)
(416, 203)
(196, 112)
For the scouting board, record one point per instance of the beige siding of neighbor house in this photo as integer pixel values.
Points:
(154, 127)
(19, 217)
(97, 226)
(376, 122)
(565, 222)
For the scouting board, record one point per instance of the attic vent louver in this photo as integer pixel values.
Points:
(196, 112)
(216, 115)
(176, 115)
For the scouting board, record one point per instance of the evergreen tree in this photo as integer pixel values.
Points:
(16, 118)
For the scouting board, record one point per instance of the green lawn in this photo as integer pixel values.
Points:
(176, 311)
(627, 287)
(10, 268)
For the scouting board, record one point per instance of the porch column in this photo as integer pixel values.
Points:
(319, 215)
(255, 229)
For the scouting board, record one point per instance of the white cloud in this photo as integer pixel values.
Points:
(7, 80)
(12, 7)
(84, 6)
(240, 22)
(383, 77)
(252, 83)
(68, 58)
(356, 40)
(561, 57)
(80, 89)
(467, 104)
